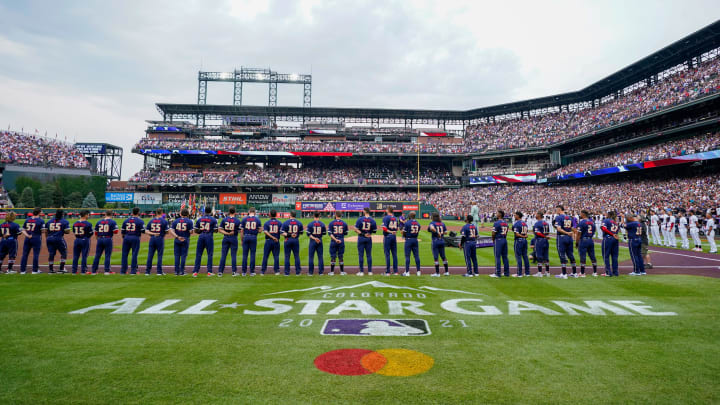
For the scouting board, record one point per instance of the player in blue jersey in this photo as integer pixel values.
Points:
(131, 230)
(337, 230)
(634, 232)
(610, 244)
(390, 229)
(83, 231)
(182, 228)
(315, 231)
(34, 226)
(401, 221)
(541, 229)
(156, 228)
(565, 238)
(104, 231)
(468, 243)
(520, 245)
(230, 227)
(9, 231)
(292, 229)
(205, 227)
(585, 244)
(365, 226)
(56, 230)
(500, 248)
(271, 229)
(437, 231)
(411, 230)
(250, 226)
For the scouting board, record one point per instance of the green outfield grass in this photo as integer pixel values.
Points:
(455, 255)
(231, 356)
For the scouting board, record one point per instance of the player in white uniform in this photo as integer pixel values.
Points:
(623, 231)
(664, 219)
(598, 226)
(683, 230)
(695, 232)
(671, 230)
(709, 229)
(655, 228)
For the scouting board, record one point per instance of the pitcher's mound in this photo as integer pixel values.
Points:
(376, 239)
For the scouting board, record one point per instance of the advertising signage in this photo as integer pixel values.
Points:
(119, 197)
(232, 199)
(356, 206)
(259, 198)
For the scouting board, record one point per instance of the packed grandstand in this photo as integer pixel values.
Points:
(626, 143)
(649, 144)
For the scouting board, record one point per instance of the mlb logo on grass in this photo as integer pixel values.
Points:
(375, 327)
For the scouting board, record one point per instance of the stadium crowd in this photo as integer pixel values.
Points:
(300, 146)
(33, 150)
(680, 147)
(305, 175)
(698, 192)
(554, 127)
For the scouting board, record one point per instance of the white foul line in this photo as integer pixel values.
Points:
(684, 255)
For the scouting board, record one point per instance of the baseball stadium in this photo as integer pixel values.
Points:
(559, 249)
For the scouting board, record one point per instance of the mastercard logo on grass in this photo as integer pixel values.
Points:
(387, 362)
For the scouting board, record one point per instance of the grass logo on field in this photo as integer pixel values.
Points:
(387, 362)
(375, 327)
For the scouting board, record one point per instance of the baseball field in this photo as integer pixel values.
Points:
(121, 339)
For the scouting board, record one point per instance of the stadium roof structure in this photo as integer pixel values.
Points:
(686, 50)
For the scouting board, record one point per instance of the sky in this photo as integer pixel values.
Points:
(92, 71)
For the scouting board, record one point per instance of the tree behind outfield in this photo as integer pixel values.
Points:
(46, 194)
(27, 199)
(62, 187)
(74, 200)
(14, 197)
(90, 201)
(23, 183)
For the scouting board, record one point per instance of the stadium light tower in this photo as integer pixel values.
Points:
(255, 75)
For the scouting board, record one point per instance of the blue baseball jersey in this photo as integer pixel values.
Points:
(586, 228)
(206, 224)
(251, 225)
(634, 229)
(183, 227)
(56, 228)
(231, 225)
(338, 228)
(82, 229)
(390, 224)
(520, 227)
(563, 222)
(542, 227)
(412, 229)
(316, 229)
(401, 221)
(609, 227)
(439, 231)
(500, 227)
(273, 227)
(292, 227)
(9, 230)
(366, 225)
(34, 226)
(105, 228)
(133, 226)
(469, 231)
(158, 225)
